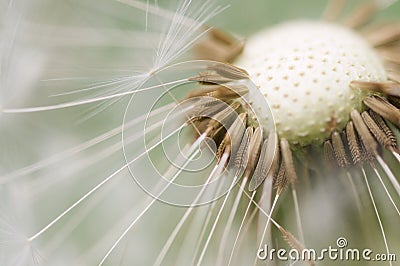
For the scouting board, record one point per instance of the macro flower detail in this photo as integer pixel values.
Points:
(212, 150)
(314, 66)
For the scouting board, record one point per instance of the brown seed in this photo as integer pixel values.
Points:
(355, 148)
(390, 54)
(281, 181)
(241, 158)
(226, 94)
(265, 163)
(210, 77)
(361, 15)
(329, 154)
(395, 101)
(378, 133)
(384, 108)
(393, 71)
(384, 35)
(339, 150)
(218, 136)
(230, 71)
(219, 46)
(294, 243)
(224, 117)
(201, 92)
(233, 136)
(382, 124)
(367, 139)
(206, 107)
(254, 151)
(287, 158)
(389, 88)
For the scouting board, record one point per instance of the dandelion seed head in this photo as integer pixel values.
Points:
(304, 69)
(166, 179)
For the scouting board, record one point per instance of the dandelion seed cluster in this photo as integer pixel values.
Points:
(332, 85)
(304, 69)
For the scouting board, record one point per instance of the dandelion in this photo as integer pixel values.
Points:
(285, 140)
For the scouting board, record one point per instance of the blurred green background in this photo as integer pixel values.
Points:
(50, 47)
